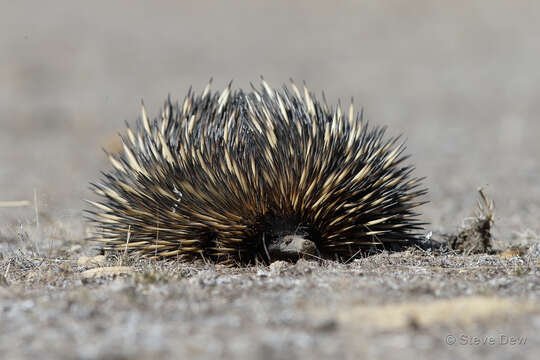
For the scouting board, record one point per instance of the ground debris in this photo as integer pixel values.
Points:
(473, 238)
(106, 271)
(476, 237)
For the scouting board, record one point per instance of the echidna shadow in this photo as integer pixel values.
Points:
(240, 177)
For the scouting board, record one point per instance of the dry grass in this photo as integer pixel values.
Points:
(63, 301)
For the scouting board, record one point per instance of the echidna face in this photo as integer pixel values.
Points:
(243, 177)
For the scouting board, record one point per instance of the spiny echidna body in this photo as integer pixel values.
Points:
(240, 177)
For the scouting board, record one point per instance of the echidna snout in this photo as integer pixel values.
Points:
(285, 238)
(291, 247)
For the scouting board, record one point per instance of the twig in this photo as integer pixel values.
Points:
(38, 228)
(126, 248)
(19, 203)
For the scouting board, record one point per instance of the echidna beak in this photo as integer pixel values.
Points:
(291, 247)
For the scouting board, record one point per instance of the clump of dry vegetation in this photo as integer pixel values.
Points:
(476, 238)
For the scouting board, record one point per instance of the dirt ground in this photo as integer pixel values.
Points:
(460, 79)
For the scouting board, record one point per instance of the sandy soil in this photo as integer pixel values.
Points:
(459, 79)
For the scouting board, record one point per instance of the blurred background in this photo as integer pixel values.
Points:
(459, 78)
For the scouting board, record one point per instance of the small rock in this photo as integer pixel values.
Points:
(65, 267)
(277, 267)
(326, 325)
(262, 273)
(106, 271)
(75, 248)
(508, 254)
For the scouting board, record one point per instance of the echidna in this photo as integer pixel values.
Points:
(242, 177)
